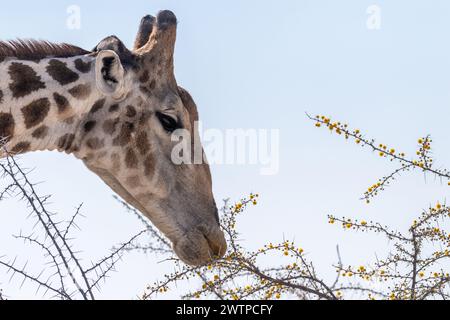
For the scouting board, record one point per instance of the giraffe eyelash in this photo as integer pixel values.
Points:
(168, 123)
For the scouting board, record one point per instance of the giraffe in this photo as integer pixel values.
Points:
(115, 109)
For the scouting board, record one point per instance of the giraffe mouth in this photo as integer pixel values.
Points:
(197, 249)
(217, 245)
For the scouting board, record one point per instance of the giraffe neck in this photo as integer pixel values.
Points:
(42, 102)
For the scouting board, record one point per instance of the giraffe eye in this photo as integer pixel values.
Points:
(168, 123)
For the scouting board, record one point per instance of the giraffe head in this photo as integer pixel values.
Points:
(126, 139)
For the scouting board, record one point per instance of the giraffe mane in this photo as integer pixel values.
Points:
(29, 49)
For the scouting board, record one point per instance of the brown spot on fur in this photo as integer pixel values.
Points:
(109, 126)
(61, 102)
(152, 84)
(131, 159)
(1, 96)
(94, 143)
(59, 71)
(6, 126)
(24, 80)
(149, 165)
(21, 147)
(40, 132)
(88, 126)
(124, 135)
(142, 143)
(134, 181)
(114, 108)
(98, 105)
(35, 112)
(145, 90)
(144, 77)
(131, 111)
(81, 91)
(65, 142)
(144, 117)
(82, 66)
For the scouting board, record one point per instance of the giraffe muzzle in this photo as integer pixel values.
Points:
(197, 248)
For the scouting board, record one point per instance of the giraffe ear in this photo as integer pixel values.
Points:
(109, 74)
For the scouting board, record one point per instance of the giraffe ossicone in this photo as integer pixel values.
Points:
(115, 109)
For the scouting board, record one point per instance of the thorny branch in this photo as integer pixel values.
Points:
(414, 269)
(73, 280)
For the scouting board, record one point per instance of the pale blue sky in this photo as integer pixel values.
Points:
(262, 64)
